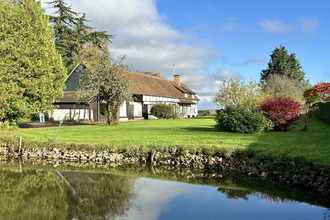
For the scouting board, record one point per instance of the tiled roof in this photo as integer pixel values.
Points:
(186, 101)
(157, 86)
(143, 84)
(186, 88)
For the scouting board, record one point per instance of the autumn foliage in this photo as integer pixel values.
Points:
(281, 111)
(318, 93)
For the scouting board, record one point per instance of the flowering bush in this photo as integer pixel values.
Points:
(281, 111)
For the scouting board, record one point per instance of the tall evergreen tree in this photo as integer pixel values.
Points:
(285, 64)
(65, 35)
(71, 32)
(31, 70)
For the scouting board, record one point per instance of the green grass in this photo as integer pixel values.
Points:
(314, 145)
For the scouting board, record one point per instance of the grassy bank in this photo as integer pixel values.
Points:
(314, 145)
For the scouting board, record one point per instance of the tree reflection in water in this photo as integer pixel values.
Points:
(326, 214)
(93, 196)
(55, 195)
(236, 189)
(31, 195)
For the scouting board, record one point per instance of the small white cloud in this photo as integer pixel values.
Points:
(225, 74)
(310, 25)
(229, 27)
(275, 27)
(256, 59)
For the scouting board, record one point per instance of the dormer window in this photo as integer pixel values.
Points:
(186, 95)
(193, 96)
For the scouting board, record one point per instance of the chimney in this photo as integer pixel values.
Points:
(177, 79)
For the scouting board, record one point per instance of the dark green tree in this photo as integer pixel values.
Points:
(65, 35)
(285, 64)
(31, 70)
(71, 32)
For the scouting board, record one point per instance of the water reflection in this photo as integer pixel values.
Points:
(41, 192)
(187, 201)
(93, 196)
(154, 197)
(31, 195)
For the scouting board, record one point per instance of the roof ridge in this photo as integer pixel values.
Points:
(147, 75)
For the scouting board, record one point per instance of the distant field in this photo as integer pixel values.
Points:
(314, 144)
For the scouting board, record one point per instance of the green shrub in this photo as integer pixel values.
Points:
(204, 113)
(161, 111)
(8, 125)
(241, 120)
(323, 112)
(207, 112)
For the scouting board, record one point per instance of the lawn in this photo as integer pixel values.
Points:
(314, 144)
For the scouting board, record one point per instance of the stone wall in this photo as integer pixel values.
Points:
(295, 172)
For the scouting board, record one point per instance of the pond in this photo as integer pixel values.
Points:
(38, 191)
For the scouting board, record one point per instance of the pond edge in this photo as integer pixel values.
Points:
(295, 172)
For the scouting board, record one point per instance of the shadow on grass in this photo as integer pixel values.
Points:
(201, 129)
(53, 124)
(201, 117)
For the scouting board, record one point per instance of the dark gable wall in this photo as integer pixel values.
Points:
(72, 81)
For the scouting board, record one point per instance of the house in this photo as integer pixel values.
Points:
(147, 91)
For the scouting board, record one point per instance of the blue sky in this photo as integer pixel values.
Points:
(213, 40)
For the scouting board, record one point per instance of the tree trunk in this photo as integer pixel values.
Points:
(112, 112)
(108, 113)
(116, 112)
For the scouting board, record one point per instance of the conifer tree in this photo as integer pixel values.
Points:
(71, 33)
(285, 64)
(31, 70)
(65, 35)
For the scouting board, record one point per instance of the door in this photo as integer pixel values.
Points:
(145, 111)
(130, 112)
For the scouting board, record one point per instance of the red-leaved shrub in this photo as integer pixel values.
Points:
(282, 112)
(318, 93)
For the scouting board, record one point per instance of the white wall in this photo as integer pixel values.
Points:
(149, 100)
(194, 110)
(137, 109)
(123, 111)
(189, 110)
(64, 114)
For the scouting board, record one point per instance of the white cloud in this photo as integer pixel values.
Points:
(274, 26)
(310, 25)
(256, 59)
(225, 74)
(230, 27)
